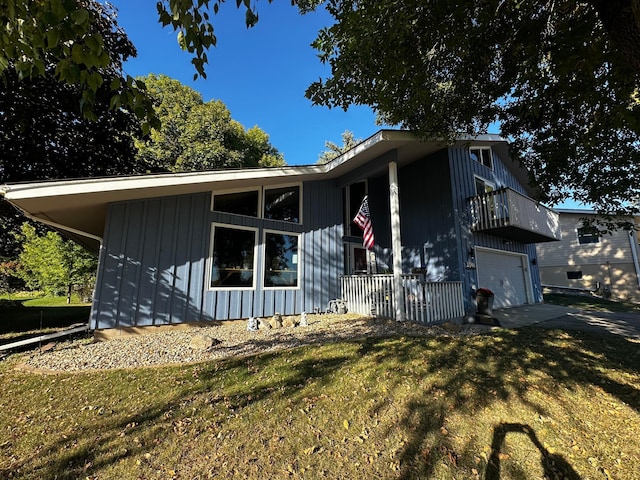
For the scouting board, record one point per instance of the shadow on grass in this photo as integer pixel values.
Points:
(441, 373)
(553, 465)
(472, 376)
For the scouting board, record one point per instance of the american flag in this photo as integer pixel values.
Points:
(363, 220)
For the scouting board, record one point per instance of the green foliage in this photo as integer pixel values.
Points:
(70, 35)
(560, 77)
(54, 265)
(334, 150)
(44, 132)
(198, 135)
(71, 41)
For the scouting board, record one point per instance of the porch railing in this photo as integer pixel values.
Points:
(424, 302)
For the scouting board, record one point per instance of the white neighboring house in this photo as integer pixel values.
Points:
(589, 260)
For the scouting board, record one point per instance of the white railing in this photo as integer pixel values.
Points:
(508, 208)
(424, 302)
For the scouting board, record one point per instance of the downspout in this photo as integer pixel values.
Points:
(634, 254)
(396, 241)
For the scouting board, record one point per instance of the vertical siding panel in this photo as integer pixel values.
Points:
(199, 253)
(149, 265)
(103, 310)
(180, 252)
(139, 317)
(268, 304)
(121, 256)
(165, 263)
(129, 287)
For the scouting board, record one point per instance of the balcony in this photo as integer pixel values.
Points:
(508, 214)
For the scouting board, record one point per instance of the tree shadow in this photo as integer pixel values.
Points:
(62, 459)
(553, 465)
(439, 375)
(501, 370)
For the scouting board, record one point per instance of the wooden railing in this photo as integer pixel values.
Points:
(424, 302)
(505, 207)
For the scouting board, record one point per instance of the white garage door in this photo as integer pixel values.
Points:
(505, 275)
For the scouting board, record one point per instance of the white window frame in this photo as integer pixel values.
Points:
(485, 181)
(480, 159)
(238, 190)
(285, 185)
(350, 261)
(349, 215)
(256, 251)
(264, 259)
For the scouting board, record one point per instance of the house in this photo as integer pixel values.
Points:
(234, 244)
(587, 259)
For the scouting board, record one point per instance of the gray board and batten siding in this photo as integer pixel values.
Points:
(155, 253)
(427, 219)
(154, 261)
(435, 218)
(463, 170)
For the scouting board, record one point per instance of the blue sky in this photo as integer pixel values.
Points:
(261, 73)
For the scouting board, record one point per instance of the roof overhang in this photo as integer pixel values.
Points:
(78, 208)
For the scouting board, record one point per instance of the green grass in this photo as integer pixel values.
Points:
(29, 316)
(590, 302)
(516, 404)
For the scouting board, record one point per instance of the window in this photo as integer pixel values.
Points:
(352, 197)
(232, 257)
(281, 260)
(482, 155)
(588, 235)
(483, 186)
(240, 203)
(575, 275)
(282, 204)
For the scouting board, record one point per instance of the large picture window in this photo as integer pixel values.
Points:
(232, 257)
(240, 203)
(281, 260)
(282, 204)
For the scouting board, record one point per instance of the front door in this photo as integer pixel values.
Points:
(358, 261)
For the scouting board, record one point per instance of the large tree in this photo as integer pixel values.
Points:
(44, 132)
(55, 265)
(73, 41)
(333, 150)
(554, 75)
(198, 135)
(560, 75)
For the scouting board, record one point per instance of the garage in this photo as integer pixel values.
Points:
(505, 274)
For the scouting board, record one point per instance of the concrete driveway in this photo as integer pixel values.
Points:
(568, 318)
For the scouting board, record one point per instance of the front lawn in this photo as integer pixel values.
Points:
(515, 404)
(29, 316)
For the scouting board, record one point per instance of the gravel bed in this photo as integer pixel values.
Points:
(225, 340)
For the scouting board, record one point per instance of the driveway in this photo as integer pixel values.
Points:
(568, 318)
